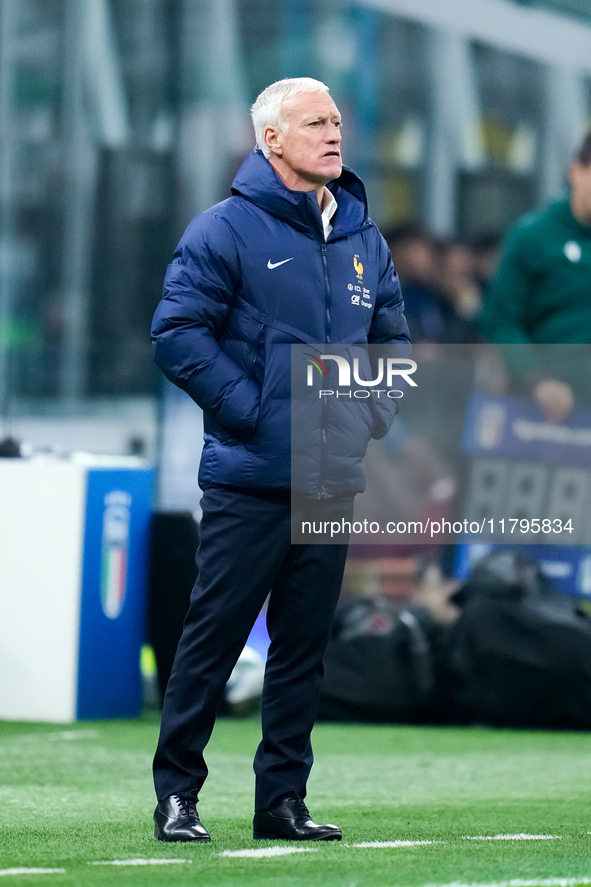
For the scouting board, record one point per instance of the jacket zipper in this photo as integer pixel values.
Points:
(327, 287)
(324, 415)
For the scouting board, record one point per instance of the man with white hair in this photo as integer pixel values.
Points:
(270, 267)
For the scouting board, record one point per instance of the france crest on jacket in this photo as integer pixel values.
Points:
(251, 277)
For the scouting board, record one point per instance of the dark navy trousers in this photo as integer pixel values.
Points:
(245, 553)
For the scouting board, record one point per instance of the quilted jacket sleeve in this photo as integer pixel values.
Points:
(199, 291)
(389, 323)
(390, 329)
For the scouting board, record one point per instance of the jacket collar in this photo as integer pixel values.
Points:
(258, 183)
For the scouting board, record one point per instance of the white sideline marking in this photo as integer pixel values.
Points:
(283, 851)
(23, 871)
(520, 837)
(540, 882)
(142, 862)
(54, 736)
(70, 735)
(268, 851)
(392, 843)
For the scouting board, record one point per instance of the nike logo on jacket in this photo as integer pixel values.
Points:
(271, 265)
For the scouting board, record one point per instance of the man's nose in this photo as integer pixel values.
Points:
(333, 133)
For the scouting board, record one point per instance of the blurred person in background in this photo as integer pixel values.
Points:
(485, 251)
(426, 311)
(271, 266)
(459, 284)
(541, 294)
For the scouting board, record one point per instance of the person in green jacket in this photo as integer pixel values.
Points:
(541, 295)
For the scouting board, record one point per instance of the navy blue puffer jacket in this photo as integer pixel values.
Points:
(251, 277)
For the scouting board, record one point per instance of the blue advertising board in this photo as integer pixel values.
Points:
(529, 480)
(113, 595)
(507, 426)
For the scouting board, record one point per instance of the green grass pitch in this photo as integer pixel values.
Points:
(492, 807)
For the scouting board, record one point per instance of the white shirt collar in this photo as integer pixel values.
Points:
(327, 214)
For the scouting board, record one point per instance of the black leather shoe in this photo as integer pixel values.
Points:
(290, 821)
(176, 819)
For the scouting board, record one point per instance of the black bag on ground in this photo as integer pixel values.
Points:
(520, 653)
(380, 665)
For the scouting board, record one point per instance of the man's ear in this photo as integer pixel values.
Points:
(272, 136)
